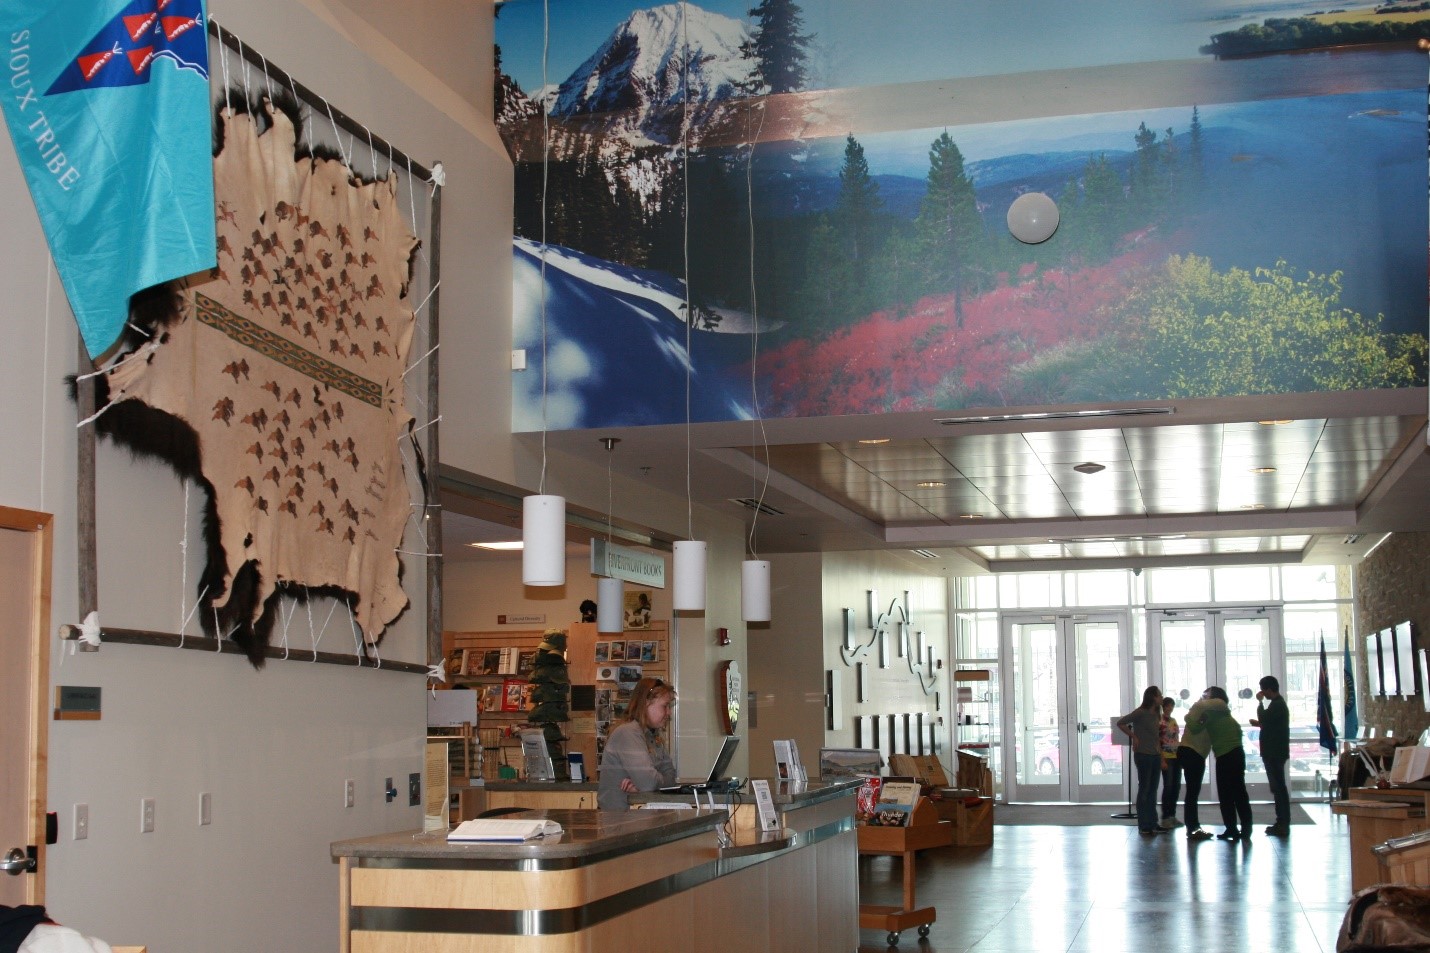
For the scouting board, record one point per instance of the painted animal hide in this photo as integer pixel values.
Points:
(288, 365)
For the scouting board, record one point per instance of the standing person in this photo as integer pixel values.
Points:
(1275, 725)
(1171, 769)
(1192, 759)
(635, 758)
(1143, 725)
(1225, 732)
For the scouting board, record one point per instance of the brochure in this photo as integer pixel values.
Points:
(895, 806)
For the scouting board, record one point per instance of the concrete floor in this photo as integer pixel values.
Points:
(1105, 889)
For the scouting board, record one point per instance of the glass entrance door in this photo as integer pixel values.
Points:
(1232, 648)
(1068, 679)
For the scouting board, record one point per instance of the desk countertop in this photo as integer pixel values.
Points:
(588, 837)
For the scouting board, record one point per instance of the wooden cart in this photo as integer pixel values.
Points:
(924, 830)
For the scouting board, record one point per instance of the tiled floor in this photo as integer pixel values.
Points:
(1107, 889)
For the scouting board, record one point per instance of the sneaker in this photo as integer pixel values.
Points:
(1199, 834)
(1229, 835)
(1170, 823)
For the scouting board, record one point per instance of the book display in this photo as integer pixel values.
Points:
(497, 667)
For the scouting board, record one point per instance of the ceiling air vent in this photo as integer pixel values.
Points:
(758, 507)
(1353, 538)
(925, 553)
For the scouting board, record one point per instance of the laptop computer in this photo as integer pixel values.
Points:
(716, 779)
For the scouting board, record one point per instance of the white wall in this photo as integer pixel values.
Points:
(273, 747)
(788, 662)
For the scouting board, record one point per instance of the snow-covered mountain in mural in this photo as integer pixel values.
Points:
(637, 78)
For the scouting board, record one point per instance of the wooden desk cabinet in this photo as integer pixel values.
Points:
(1376, 815)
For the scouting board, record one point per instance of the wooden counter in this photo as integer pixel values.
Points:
(642, 880)
(1376, 815)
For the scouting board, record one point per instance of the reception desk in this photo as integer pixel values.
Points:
(640, 880)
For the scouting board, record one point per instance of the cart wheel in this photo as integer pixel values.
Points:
(893, 939)
(924, 930)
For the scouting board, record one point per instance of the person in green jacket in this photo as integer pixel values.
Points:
(1275, 725)
(1192, 756)
(1225, 733)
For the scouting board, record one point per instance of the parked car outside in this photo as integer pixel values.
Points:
(1106, 755)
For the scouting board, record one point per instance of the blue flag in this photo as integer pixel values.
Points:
(1351, 721)
(1325, 723)
(107, 103)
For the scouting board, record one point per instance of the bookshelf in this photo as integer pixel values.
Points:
(595, 699)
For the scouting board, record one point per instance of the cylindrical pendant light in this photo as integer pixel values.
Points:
(543, 539)
(610, 604)
(689, 592)
(755, 590)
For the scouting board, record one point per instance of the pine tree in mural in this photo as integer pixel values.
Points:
(854, 217)
(778, 48)
(551, 694)
(948, 224)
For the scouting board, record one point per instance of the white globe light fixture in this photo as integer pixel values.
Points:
(1032, 218)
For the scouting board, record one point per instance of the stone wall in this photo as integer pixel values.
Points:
(1391, 586)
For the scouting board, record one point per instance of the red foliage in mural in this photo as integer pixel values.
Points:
(922, 360)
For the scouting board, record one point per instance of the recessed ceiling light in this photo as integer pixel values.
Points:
(504, 545)
(1253, 506)
(1089, 467)
(874, 440)
(970, 516)
(1273, 423)
(1263, 469)
(930, 484)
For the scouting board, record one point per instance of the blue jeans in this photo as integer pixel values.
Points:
(1149, 772)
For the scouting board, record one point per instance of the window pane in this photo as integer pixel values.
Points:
(1031, 590)
(1308, 582)
(1102, 588)
(1242, 583)
(1178, 586)
(1304, 625)
(977, 636)
(985, 592)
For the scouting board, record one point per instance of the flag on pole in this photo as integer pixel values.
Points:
(108, 110)
(1351, 720)
(1325, 724)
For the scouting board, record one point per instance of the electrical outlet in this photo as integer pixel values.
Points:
(349, 792)
(414, 789)
(146, 816)
(81, 821)
(206, 809)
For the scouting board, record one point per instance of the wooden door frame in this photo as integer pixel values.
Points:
(41, 525)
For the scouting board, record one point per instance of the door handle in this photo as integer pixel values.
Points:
(17, 862)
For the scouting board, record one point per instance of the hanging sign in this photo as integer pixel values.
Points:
(632, 565)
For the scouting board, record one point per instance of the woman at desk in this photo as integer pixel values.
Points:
(635, 758)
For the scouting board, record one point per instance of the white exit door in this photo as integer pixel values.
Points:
(25, 546)
(1067, 680)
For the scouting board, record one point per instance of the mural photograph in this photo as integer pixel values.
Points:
(803, 206)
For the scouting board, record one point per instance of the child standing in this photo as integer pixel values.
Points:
(1171, 767)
